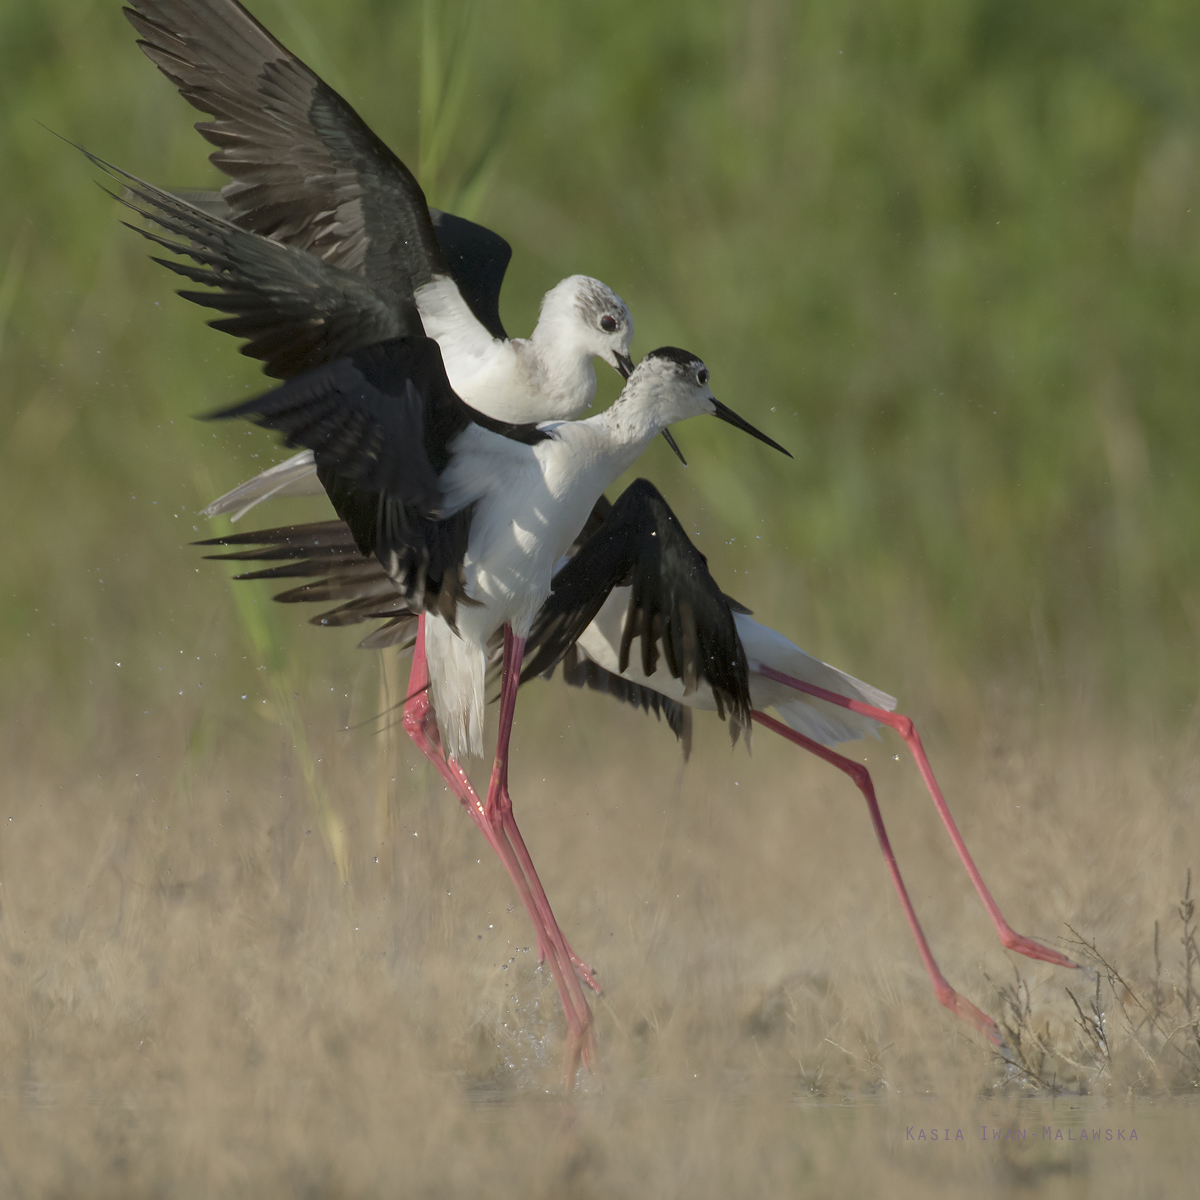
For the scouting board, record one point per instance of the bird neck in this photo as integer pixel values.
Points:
(563, 366)
(627, 429)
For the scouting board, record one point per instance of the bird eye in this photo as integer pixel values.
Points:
(702, 376)
(608, 323)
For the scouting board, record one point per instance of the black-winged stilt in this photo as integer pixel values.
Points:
(637, 573)
(469, 517)
(640, 577)
(308, 173)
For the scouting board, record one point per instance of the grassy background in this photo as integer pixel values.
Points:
(945, 252)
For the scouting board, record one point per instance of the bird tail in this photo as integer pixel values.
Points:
(829, 724)
(457, 677)
(295, 476)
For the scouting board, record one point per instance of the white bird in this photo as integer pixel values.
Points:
(468, 517)
(308, 174)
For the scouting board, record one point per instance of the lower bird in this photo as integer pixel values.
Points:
(468, 516)
(636, 577)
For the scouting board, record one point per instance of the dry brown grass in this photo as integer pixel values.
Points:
(193, 1002)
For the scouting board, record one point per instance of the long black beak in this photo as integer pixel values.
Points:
(672, 444)
(727, 414)
(624, 365)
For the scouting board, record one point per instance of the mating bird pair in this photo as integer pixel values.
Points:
(450, 454)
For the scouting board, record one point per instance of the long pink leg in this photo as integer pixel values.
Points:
(539, 895)
(421, 725)
(904, 727)
(504, 807)
(946, 995)
(498, 811)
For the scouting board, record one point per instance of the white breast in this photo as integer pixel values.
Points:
(530, 504)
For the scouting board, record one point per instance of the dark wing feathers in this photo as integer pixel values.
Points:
(295, 311)
(675, 605)
(308, 175)
(326, 554)
(579, 671)
(379, 423)
(370, 437)
(305, 167)
(476, 257)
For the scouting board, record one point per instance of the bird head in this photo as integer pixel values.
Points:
(672, 385)
(592, 319)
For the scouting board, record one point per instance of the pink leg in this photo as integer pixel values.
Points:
(539, 896)
(904, 727)
(548, 921)
(945, 993)
(498, 812)
(422, 728)
(421, 725)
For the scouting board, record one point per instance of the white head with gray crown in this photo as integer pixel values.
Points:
(580, 319)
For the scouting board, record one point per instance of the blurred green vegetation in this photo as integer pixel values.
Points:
(944, 250)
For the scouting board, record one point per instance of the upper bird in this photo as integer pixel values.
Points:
(307, 173)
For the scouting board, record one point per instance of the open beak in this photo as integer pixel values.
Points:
(624, 366)
(672, 444)
(727, 414)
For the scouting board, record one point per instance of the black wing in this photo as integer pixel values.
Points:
(296, 310)
(325, 554)
(379, 423)
(579, 671)
(476, 257)
(674, 603)
(306, 169)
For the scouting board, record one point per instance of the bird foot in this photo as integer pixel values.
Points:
(582, 969)
(580, 1049)
(1032, 949)
(966, 1011)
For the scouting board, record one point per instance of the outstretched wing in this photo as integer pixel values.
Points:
(379, 423)
(476, 257)
(325, 555)
(306, 169)
(295, 310)
(675, 606)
